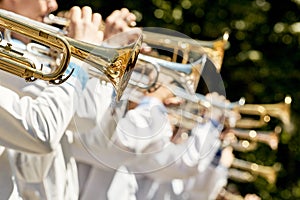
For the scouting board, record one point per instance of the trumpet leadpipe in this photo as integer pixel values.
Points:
(271, 138)
(202, 100)
(269, 173)
(229, 195)
(240, 175)
(237, 144)
(243, 145)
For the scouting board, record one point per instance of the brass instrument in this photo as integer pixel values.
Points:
(214, 49)
(247, 139)
(246, 171)
(114, 60)
(265, 111)
(281, 111)
(229, 195)
(179, 78)
(187, 75)
(195, 107)
(243, 145)
(252, 112)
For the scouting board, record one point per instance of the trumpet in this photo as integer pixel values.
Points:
(266, 111)
(224, 193)
(114, 59)
(252, 170)
(214, 49)
(187, 75)
(12, 60)
(242, 145)
(168, 72)
(270, 138)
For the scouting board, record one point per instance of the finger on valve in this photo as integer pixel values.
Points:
(84, 25)
(118, 21)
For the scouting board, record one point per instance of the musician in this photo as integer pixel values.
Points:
(35, 116)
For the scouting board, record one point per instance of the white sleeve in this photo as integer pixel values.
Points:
(96, 99)
(146, 131)
(112, 142)
(180, 161)
(94, 125)
(143, 126)
(208, 184)
(37, 125)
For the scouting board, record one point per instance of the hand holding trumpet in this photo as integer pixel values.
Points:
(118, 21)
(83, 25)
(220, 113)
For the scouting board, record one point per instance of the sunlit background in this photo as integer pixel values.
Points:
(261, 64)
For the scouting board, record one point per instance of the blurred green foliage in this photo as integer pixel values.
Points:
(261, 63)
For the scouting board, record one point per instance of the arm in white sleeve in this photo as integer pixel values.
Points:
(112, 142)
(143, 126)
(208, 184)
(180, 161)
(37, 125)
(94, 102)
(146, 131)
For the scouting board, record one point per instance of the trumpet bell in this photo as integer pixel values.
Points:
(115, 58)
(282, 111)
(264, 112)
(188, 48)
